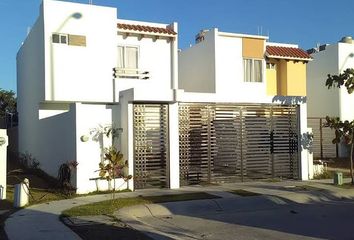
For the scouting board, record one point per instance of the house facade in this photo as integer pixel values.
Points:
(329, 59)
(182, 118)
(254, 92)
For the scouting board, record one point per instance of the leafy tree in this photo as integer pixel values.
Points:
(7, 102)
(344, 130)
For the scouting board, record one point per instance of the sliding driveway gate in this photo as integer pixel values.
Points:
(151, 145)
(223, 143)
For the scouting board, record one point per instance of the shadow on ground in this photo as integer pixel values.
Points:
(254, 217)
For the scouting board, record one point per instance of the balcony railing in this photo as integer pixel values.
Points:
(133, 73)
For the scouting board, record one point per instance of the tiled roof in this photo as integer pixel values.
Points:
(144, 28)
(287, 53)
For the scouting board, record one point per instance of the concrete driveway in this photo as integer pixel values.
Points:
(233, 217)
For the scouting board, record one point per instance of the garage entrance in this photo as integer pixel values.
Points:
(150, 145)
(225, 143)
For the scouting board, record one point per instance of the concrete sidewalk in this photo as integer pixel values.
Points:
(42, 221)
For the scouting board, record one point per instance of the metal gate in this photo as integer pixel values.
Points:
(151, 145)
(224, 142)
(322, 145)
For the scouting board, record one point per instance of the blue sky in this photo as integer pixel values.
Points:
(304, 22)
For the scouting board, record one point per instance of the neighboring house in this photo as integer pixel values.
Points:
(245, 115)
(322, 102)
(212, 124)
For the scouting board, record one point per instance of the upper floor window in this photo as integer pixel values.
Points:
(60, 38)
(128, 57)
(252, 70)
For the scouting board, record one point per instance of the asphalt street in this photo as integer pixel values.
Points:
(260, 218)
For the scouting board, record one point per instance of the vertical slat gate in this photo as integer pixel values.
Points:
(322, 145)
(256, 142)
(194, 147)
(224, 142)
(285, 142)
(151, 145)
(226, 155)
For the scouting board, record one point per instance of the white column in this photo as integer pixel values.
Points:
(130, 142)
(310, 155)
(174, 57)
(304, 161)
(3, 150)
(173, 165)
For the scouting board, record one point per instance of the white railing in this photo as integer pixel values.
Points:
(134, 73)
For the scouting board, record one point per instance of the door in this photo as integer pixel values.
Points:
(150, 145)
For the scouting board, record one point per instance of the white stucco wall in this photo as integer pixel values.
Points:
(3, 161)
(322, 101)
(229, 72)
(79, 73)
(30, 85)
(197, 66)
(346, 60)
(215, 65)
(89, 154)
(155, 56)
(55, 141)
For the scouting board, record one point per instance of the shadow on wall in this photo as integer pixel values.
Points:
(307, 141)
(288, 100)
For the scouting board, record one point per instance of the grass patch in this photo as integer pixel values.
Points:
(179, 197)
(329, 174)
(103, 208)
(301, 188)
(38, 195)
(244, 193)
(345, 186)
(109, 206)
(324, 175)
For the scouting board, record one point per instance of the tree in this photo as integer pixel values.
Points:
(7, 102)
(8, 110)
(344, 129)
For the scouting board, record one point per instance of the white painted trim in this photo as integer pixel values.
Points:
(238, 35)
(275, 44)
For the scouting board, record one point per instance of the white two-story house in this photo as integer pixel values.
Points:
(336, 102)
(67, 91)
(218, 117)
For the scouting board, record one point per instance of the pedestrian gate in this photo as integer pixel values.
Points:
(224, 142)
(151, 145)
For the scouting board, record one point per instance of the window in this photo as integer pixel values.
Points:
(128, 58)
(252, 70)
(60, 38)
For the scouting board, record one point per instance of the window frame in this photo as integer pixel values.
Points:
(60, 38)
(253, 74)
(124, 55)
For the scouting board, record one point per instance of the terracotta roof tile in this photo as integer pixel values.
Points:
(144, 28)
(287, 52)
